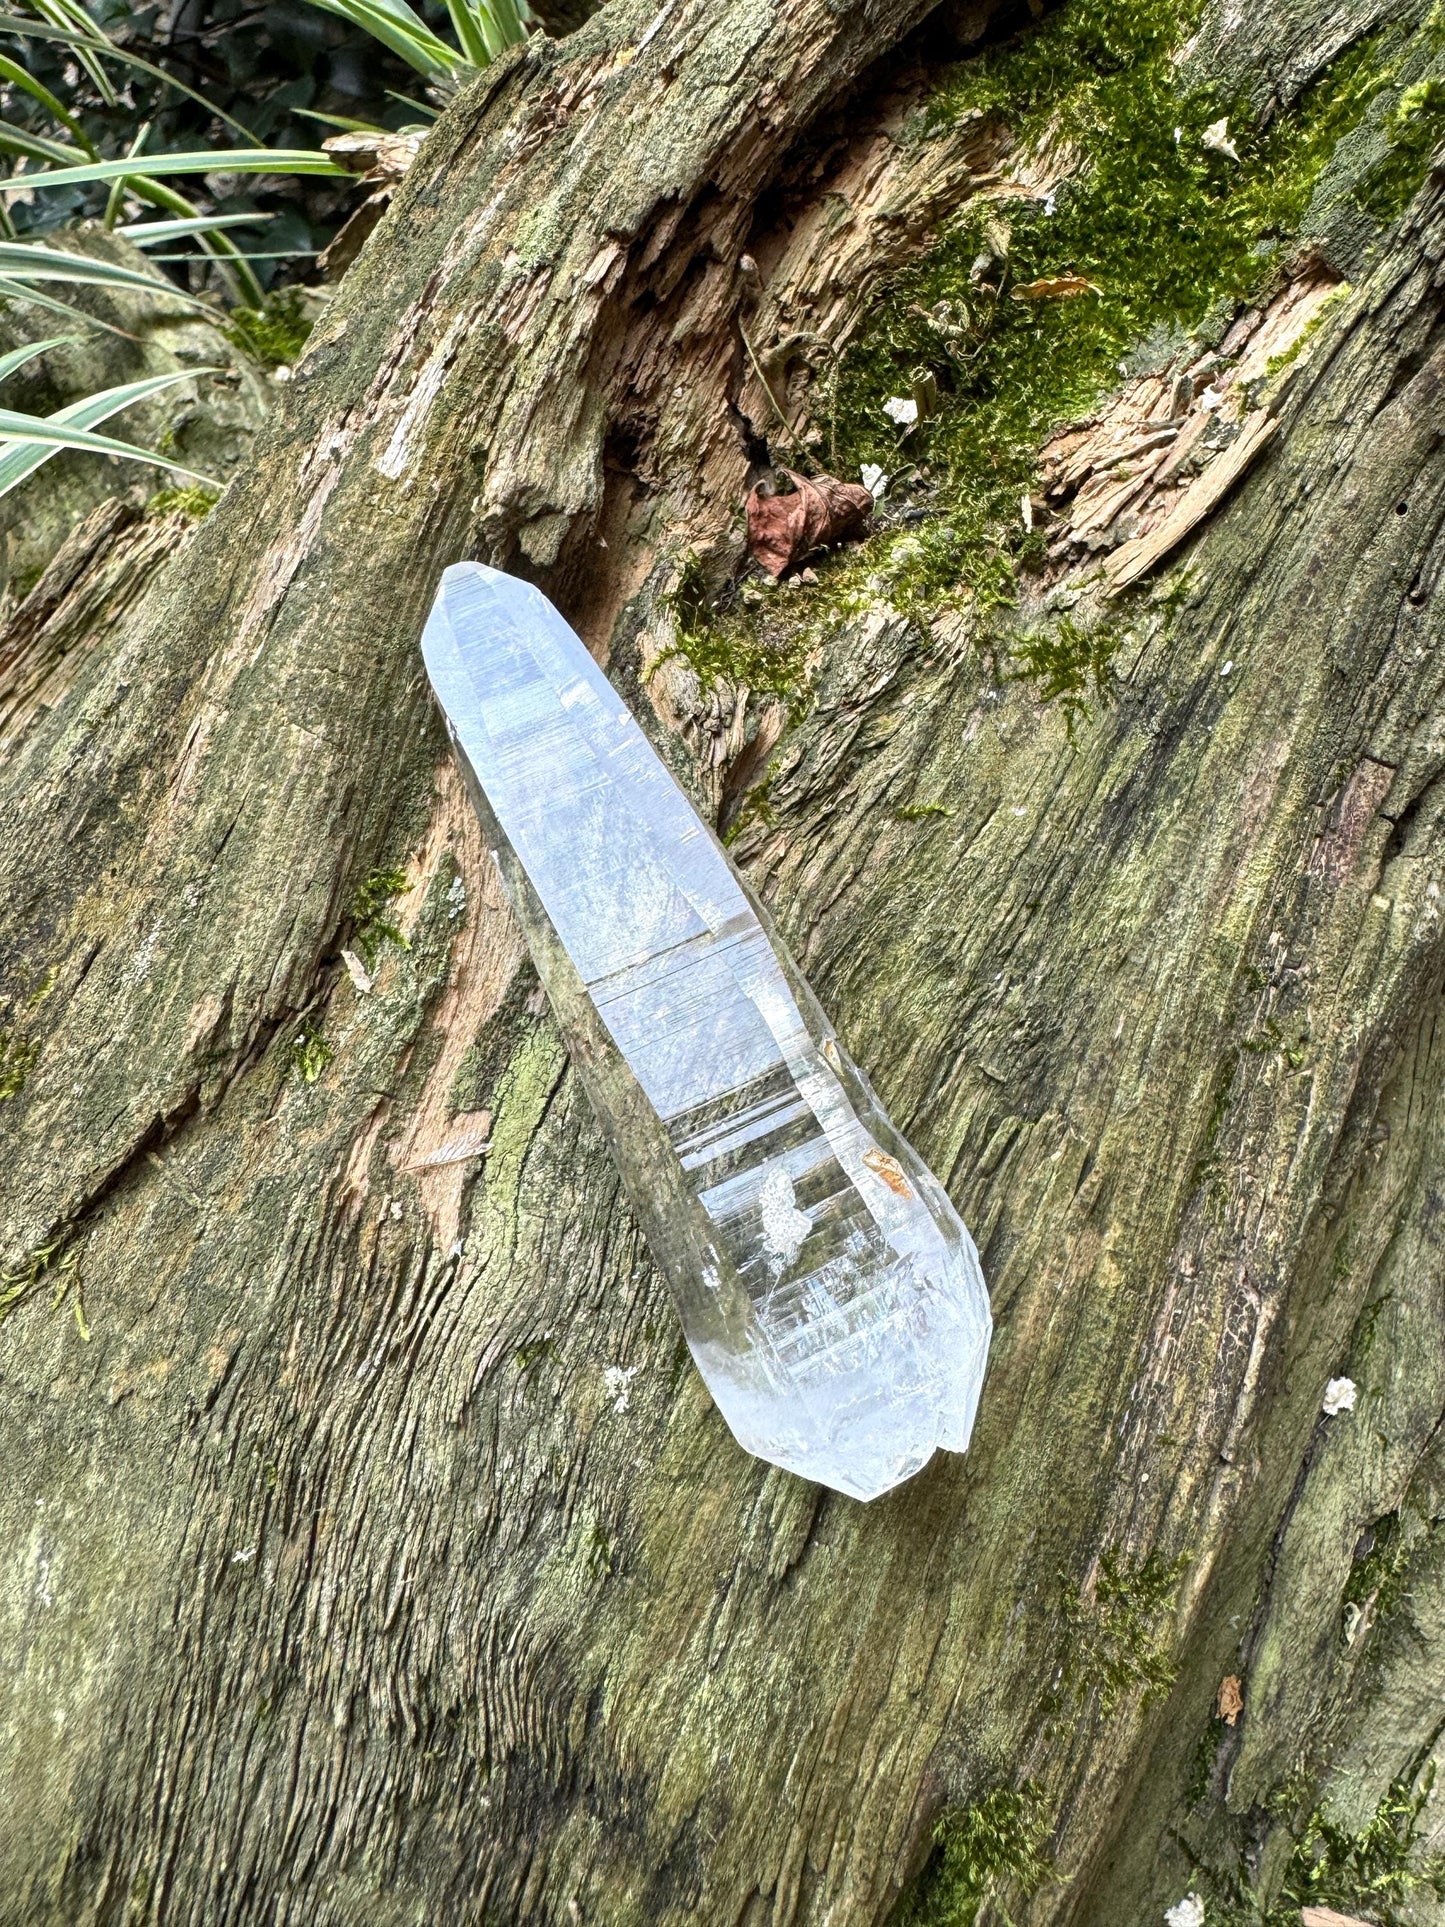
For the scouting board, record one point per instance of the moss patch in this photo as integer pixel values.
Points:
(310, 1053)
(1116, 1642)
(371, 915)
(195, 503)
(1021, 315)
(1374, 1871)
(743, 634)
(273, 334)
(1067, 663)
(1413, 131)
(995, 1845)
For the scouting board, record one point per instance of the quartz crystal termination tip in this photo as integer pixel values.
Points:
(828, 1290)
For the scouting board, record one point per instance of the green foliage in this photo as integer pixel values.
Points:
(1377, 1579)
(371, 914)
(1373, 1871)
(274, 333)
(194, 503)
(55, 1263)
(1066, 664)
(1163, 227)
(19, 1047)
(741, 635)
(310, 1052)
(484, 28)
(1413, 131)
(1115, 1643)
(995, 1844)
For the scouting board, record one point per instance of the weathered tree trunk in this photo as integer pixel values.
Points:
(339, 1586)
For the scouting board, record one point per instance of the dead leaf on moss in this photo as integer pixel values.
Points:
(1231, 1699)
(1327, 1917)
(783, 529)
(1056, 287)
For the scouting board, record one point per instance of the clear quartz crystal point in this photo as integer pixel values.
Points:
(828, 1289)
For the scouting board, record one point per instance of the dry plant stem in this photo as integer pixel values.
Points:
(342, 1579)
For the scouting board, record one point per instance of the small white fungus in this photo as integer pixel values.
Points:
(1340, 1396)
(1188, 1912)
(901, 409)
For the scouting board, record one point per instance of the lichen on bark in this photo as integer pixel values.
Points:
(345, 1584)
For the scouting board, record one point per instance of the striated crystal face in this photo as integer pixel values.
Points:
(828, 1289)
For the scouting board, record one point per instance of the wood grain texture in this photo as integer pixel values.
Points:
(342, 1586)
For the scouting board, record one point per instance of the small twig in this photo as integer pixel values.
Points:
(792, 433)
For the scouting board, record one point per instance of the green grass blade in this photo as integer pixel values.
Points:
(241, 282)
(62, 14)
(18, 357)
(502, 23)
(29, 261)
(467, 22)
(397, 27)
(12, 71)
(35, 440)
(346, 126)
(19, 291)
(224, 160)
(35, 147)
(97, 46)
(144, 234)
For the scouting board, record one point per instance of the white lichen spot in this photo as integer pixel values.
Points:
(1188, 1912)
(784, 1225)
(357, 971)
(901, 409)
(1228, 669)
(617, 1382)
(243, 1558)
(1340, 1396)
(457, 899)
(44, 1596)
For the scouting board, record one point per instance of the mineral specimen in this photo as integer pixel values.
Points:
(828, 1290)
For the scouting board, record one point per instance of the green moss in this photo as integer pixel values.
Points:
(19, 1046)
(1413, 131)
(743, 635)
(757, 812)
(371, 914)
(195, 502)
(273, 334)
(1373, 1871)
(1066, 664)
(310, 1053)
(1165, 229)
(1115, 1642)
(17, 1060)
(55, 1264)
(1377, 1581)
(994, 1845)
(918, 812)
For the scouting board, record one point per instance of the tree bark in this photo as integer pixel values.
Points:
(339, 1587)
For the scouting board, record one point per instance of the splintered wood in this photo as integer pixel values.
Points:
(1134, 480)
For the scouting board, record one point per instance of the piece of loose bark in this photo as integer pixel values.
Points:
(1327, 1917)
(1231, 1699)
(783, 529)
(1127, 564)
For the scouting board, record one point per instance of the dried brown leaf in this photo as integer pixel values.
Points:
(783, 529)
(1231, 1699)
